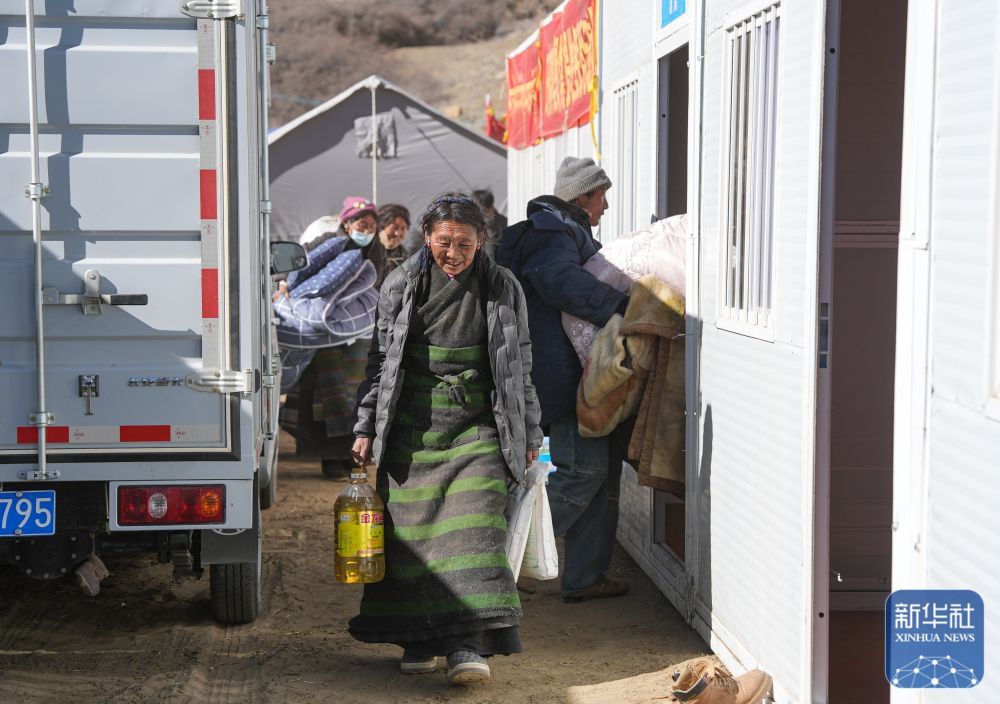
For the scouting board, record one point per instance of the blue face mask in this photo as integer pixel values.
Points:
(362, 239)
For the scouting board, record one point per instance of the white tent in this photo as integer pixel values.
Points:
(325, 155)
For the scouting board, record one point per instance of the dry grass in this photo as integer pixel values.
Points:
(448, 52)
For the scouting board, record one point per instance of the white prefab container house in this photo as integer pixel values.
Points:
(843, 315)
(947, 433)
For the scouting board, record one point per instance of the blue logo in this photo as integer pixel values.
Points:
(670, 10)
(934, 639)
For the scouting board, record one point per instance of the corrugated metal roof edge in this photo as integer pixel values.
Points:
(379, 82)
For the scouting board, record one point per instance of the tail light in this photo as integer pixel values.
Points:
(171, 505)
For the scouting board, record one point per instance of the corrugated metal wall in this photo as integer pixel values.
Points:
(959, 531)
(756, 416)
(628, 109)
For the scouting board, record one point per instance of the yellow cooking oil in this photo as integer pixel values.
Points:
(360, 532)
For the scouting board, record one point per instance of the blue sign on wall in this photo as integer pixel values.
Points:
(934, 639)
(671, 10)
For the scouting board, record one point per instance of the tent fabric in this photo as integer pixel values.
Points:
(315, 159)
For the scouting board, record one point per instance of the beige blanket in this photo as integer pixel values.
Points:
(636, 366)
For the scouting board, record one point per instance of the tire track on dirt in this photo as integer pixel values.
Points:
(227, 669)
(28, 630)
(29, 626)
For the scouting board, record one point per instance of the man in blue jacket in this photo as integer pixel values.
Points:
(546, 252)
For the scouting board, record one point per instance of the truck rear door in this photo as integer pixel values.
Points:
(132, 104)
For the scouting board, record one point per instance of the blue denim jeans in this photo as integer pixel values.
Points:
(583, 496)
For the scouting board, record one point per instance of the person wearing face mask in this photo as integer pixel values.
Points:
(327, 388)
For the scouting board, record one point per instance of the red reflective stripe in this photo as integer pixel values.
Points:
(206, 94)
(209, 191)
(144, 433)
(209, 293)
(28, 435)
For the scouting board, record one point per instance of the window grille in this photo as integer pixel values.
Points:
(625, 161)
(752, 55)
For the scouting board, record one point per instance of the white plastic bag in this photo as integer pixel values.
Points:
(531, 542)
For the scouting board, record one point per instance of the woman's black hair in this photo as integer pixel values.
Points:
(454, 207)
(460, 208)
(388, 213)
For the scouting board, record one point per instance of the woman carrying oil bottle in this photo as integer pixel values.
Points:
(449, 415)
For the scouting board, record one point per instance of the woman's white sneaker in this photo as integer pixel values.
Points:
(413, 664)
(465, 667)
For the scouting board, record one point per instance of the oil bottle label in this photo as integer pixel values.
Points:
(360, 534)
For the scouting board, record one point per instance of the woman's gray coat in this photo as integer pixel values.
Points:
(515, 405)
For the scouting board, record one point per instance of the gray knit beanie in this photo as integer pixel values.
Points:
(578, 176)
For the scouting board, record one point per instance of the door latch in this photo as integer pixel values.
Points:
(92, 298)
(90, 388)
(226, 381)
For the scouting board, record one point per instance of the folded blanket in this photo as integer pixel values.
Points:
(607, 392)
(343, 312)
(636, 366)
(624, 353)
(319, 257)
(331, 302)
(659, 250)
(657, 444)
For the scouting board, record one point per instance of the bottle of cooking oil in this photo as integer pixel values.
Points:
(360, 532)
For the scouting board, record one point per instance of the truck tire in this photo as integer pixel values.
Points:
(235, 592)
(235, 587)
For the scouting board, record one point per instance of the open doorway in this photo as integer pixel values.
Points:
(862, 319)
(669, 502)
(672, 133)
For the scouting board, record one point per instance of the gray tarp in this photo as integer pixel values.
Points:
(315, 160)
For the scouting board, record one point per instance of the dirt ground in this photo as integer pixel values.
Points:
(146, 638)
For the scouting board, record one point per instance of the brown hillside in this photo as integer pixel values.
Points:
(449, 53)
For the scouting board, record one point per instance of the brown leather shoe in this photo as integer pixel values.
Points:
(603, 588)
(704, 681)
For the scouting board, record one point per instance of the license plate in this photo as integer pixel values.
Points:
(27, 513)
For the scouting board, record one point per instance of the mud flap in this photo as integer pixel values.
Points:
(229, 547)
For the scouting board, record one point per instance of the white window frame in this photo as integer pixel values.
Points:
(680, 24)
(750, 311)
(624, 157)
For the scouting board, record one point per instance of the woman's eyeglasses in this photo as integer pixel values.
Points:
(463, 247)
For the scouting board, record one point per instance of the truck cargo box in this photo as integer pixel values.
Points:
(140, 199)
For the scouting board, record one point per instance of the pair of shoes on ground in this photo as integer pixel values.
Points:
(604, 588)
(704, 681)
(464, 667)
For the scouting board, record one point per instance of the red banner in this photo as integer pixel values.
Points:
(495, 129)
(569, 66)
(522, 98)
